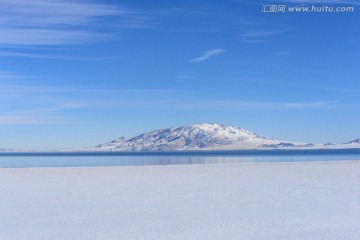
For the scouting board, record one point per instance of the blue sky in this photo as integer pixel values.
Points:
(80, 73)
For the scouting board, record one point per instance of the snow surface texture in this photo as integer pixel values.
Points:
(206, 137)
(270, 201)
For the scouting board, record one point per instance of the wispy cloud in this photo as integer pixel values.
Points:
(27, 36)
(37, 117)
(236, 105)
(10, 76)
(55, 22)
(262, 33)
(206, 55)
(260, 36)
(186, 75)
(336, 89)
(310, 105)
(49, 56)
(29, 104)
(295, 68)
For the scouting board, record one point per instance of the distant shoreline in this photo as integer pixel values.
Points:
(251, 152)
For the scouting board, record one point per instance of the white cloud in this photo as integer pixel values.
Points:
(37, 117)
(234, 105)
(260, 36)
(54, 22)
(206, 55)
(8, 76)
(27, 36)
(49, 56)
(310, 105)
(262, 33)
(24, 104)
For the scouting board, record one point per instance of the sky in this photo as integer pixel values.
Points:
(80, 73)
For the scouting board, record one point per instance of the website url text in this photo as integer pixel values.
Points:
(306, 9)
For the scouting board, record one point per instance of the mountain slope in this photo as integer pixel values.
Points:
(354, 142)
(8, 150)
(197, 137)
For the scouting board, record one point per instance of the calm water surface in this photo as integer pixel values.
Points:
(67, 159)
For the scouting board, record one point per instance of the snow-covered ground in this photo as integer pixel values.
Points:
(312, 200)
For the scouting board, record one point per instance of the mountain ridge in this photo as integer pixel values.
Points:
(204, 136)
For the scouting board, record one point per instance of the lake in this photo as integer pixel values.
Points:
(87, 159)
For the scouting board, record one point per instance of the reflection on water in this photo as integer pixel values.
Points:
(110, 160)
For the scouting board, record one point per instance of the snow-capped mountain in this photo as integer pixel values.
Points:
(350, 144)
(354, 142)
(197, 137)
(8, 150)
